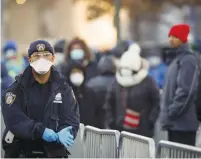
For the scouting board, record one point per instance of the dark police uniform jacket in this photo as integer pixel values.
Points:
(61, 111)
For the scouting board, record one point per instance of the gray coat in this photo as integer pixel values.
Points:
(104, 80)
(177, 109)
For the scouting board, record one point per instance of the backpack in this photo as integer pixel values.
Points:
(197, 101)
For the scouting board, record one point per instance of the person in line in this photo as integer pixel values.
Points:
(178, 111)
(90, 111)
(14, 62)
(132, 102)
(103, 81)
(77, 50)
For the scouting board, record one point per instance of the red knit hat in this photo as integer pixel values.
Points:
(180, 31)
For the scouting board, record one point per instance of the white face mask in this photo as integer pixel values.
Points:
(77, 78)
(154, 61)
(10, 54)
(41, 66)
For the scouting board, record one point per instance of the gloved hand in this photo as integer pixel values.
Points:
(65, 137)
(49, 135)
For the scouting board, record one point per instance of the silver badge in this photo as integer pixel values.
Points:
(40, 47)
(58, 97)
(10, 98)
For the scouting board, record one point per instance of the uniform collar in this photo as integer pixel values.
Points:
(25, 78)
(33, 80)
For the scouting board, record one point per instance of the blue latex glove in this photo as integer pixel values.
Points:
(65, 137)
(49, 135)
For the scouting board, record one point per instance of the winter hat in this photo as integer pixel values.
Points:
(40, 46)
(10, 45)
(134, 48)
(131, 61)
(59, 46)
(180, 31)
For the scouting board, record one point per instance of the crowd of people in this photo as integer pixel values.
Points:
(120, 89)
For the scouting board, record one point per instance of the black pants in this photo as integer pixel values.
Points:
(183, 137)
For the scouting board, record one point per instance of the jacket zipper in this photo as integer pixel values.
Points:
(46, 106)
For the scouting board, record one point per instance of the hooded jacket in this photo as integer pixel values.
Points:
(103, 81)
(88, 61)
(6, 80)
(178, 110)
(132, 103)
(89, 109)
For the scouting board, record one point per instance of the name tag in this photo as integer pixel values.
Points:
(56, 101)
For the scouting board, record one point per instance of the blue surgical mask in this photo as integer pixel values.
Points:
(77, 54)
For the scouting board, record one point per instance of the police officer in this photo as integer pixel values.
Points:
(40, 111)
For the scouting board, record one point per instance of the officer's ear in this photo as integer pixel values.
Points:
(29, 58)
(53, 58)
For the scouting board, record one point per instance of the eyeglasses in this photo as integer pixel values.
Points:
(45, 55)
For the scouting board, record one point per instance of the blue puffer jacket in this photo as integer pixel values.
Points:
(158, 74)
(178, 110)
(6, 80)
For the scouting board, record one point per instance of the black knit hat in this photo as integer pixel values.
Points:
(40, 46)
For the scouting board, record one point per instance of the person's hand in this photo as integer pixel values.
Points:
(65, 137)
(49, 135)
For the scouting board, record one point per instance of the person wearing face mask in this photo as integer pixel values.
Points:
(40, 110)
(132, 102)
(157, 70)
(90, 111)
(6, 80)
(59, 47)
(78, 51)
(14, 62)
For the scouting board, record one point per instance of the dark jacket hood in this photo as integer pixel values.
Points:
(106, 65)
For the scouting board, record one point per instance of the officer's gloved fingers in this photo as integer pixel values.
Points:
(66, 146)
(70, 137)
(70, 142)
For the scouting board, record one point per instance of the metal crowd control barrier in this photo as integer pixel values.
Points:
(136, 146)
(167, 149)
(77, 149)
(2, 131)
(198, 137)
(100, 143)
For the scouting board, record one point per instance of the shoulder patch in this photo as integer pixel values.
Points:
(10, 98)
